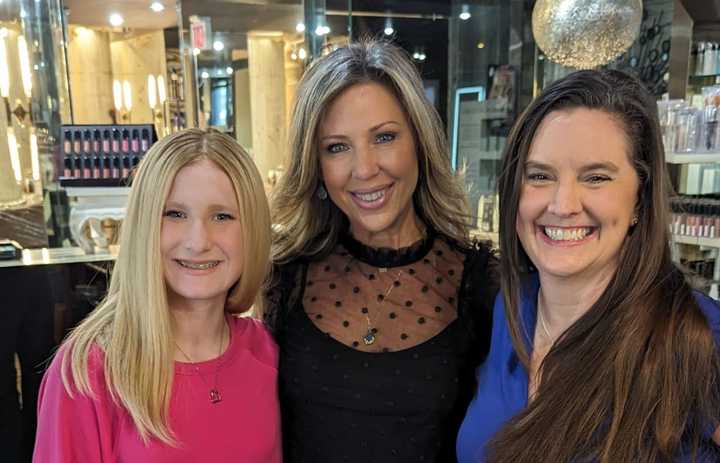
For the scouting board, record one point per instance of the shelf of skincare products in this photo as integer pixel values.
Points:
(692, 127)
(103, 155)
(705, 59)
(692, 158)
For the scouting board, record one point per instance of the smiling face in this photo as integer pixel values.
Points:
(201, 236)
(578, 195)
(369, 164)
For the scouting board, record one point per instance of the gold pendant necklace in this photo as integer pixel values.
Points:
(214, 395)
(371, 334)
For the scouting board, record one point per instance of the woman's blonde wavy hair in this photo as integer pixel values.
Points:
(132, 324)
(305, 225)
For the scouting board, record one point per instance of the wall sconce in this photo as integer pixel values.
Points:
(122, 99)
(127, 96)
(14, 155)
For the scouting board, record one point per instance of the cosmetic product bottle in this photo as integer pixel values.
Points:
(115, 170)
(106, 141)
(125, 145)
(97, 141)
(135, 141)
(709, 61)
(77, 141)
(67, 143)
(87, 166)
(87, 141)
(115, 141)
(68, 172)
(700, 61)
(77, 165)
(106, 165)
(145, 141)
(125, 165)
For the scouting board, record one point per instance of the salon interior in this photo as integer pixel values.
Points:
(87, 86)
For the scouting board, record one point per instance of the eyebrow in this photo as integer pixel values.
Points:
(608, 166)
(211, 207)
(371, 129)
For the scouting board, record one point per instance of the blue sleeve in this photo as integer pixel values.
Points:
(711, 309)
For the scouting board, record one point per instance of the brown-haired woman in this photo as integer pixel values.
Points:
(600, 349)
(381, 305)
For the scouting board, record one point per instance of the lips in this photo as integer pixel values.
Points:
(372, 198)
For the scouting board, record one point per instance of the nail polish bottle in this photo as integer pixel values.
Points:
(106, 142)
(115, 141)
(125, 146)
(77, 145)
(68, 172)
(87, 141)
(67, 143)
(135, 141)
(125, 165)
(145, 141)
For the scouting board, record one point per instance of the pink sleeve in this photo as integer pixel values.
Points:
(73, 429)
(259, 341)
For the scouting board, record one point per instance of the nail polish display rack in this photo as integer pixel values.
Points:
(103, 155)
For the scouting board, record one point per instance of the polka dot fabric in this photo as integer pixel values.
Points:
(403, 397)
(401, 306)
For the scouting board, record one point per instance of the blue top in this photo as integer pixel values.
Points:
(503, 381)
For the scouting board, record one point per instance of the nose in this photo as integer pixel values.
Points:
(366, 163)
(198, 237)
(566, 200)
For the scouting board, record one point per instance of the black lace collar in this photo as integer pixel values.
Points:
(388, 257)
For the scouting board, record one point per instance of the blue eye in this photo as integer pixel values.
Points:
(222, 217)
(385, 137)
(336, 148)
(174, 214)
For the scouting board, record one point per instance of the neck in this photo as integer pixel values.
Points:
(407, 230)
(562, 301)
(199, 330)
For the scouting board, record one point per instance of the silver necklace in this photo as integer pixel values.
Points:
(215, 396)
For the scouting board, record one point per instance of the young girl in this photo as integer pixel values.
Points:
(162, 371)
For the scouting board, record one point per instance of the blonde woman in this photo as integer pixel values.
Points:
(381, 302)
(162, 370)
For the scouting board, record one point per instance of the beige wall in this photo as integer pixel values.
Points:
(267, 98)
(97, 57)
(89, 67)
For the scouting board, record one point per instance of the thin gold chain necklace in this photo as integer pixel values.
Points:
(215, 396)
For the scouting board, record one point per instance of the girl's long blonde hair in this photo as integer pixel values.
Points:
(132, 324)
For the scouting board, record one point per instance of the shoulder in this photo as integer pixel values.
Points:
(253, 336)
(711, 309)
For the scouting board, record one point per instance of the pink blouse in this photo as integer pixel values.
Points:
(243, 427)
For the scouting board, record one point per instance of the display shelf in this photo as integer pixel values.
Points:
(692, 158)
(56, 256)
(697, 241)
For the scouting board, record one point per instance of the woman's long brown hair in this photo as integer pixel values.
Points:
(636, 379)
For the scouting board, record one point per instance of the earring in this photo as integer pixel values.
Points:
(321, 193)
(634, 221)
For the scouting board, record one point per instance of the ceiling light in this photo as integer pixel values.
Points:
(157, 7)
(465, 14)
(389, 31)
(300, 27)
(293, 55)
(229, 70)
(196, 51)
(218, 45)
(205, 75)
(116, 20)
(481, 45)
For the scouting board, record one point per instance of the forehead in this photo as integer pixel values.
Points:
(580, 136)
(202, 180)
(361, 105)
